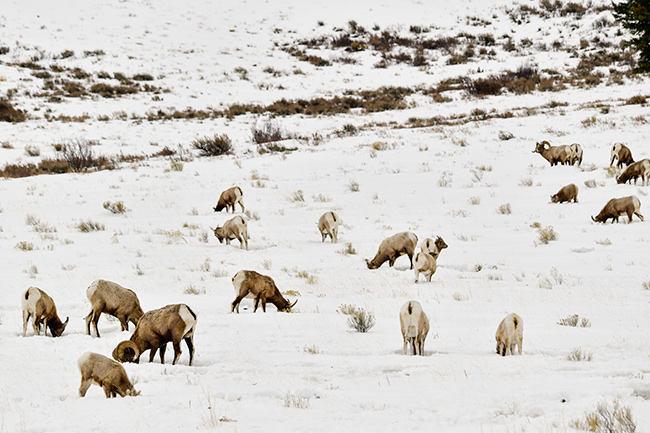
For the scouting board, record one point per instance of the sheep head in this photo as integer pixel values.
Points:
(127, 351)
(58, 330)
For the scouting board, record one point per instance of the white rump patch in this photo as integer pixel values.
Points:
(186, 316)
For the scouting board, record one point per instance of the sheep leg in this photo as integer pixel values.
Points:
(107, 391)
(45, 329)
(417, 275)
(88, 318)
(410, 258)
(85, 384)
(257, 302)
(235, 303)
(639, 215)
(241, 203)
(263, 299)
(190, 346)
(124, 325)
(26, 316)
(421, 347)
(162, 350)
(177, 351)
(335, 238)
(323, 236)
(405, 346)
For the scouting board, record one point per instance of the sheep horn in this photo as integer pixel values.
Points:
(119, 352)
(294, 303)
(594, 219)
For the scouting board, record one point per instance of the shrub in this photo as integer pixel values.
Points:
(348, 249)
(361, 320)
(80, 156)
(298, 196)
(313, 349)
(116, 208)
(504, 209)
(90, 226)
(547, 234)
(580, 355)
(213, 146)
(176, 166)
(24, 246)
(353, 186)
(266, 133)
(607, 419)
(291, 400)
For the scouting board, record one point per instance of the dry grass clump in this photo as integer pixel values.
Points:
(348, 249)
(90, 226)
(213, 146)
(504, 209)
(574, 320)
(359, 319)
(115, 207)
(606, 418)
(547, 234)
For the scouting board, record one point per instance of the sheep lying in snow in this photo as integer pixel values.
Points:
(157, 328)
(234, 228)
(110, 298)
(105, 372)
(426, 262)
(634, 171)
(415, 327)
(619, 206)
(553, 154)
(250, 284)
(229, 198)
(510, 333)
(328, 225)
(393, 247)
(566, 193)
(622, 153)
(40, 307)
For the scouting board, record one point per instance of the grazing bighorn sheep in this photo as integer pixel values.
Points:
(110, 298)
(634, 171)
(157, 328)
(553, 154)
(393, 247)
(622, 153)
(575, 154)
(40, 307)
(619, 206)
(426, 262)
(415, 327)
(260, 287)
(566, 193)
(510, 333)
(234, 228)
(328, 225)
(105, 372)
(229, 198)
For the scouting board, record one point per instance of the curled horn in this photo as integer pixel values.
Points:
(291, 306)
(593, 219)
(126, 351)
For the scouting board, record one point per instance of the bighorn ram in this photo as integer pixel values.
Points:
(393, 247)
(622, 153)
(566, 193)
(415, 327)
(105, 372)
(40, 307)
(229, 198)
(575, 154)
(510, 333)
(110, 298)
(328, 225)
(553, 154)
(619, 206)
(157, 328)
(234, 228)
(260, 287)
(426, 262)
(634, 171)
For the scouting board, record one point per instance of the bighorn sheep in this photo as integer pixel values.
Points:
(433, 247)
(110, 298)
(566, 193)
(426, 262)
(157, 328)
(229, 198)
(40, 307)
(634, 171)
(510, 333)
(622, 153)
(575, 154)
(619, 206)
(393, 247)
(234, 228)
(250, 284)
(105, 372)
(328, 225)
(553, 154)
(415, 327)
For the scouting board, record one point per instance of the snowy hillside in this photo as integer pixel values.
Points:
(383, 117)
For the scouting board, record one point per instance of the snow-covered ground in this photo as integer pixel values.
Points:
(307, 370)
